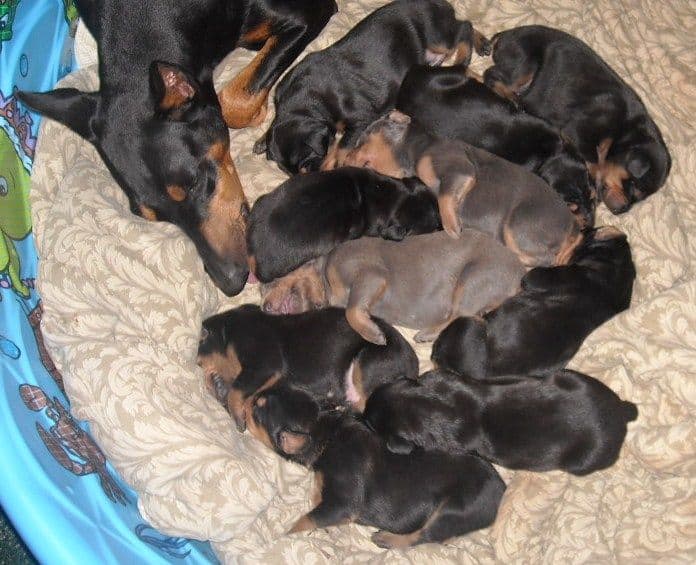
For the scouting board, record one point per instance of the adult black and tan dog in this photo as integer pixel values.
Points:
(348, 85)
(561, 420)
(543, 326)
(309, 215)
(556, 76)
(159, 125)
(417, 498)
(453, 105)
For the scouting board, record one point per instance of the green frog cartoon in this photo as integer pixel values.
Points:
(15, 219)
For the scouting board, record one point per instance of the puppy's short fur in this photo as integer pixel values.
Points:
(452, 105)
(309, 215)
(422, 282)
(418, 498)
(555, 76)
(474, 189)
(245, 350)
(350, 84)
(563, 420)
(542, 327)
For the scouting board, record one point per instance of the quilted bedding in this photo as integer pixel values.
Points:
(124, 299)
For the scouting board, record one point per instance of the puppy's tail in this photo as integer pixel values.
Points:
(630, 410)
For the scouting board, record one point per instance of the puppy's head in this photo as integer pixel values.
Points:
(284, 419)
(296, 144)
(378, 146)
(567, 174)
(606, 251)
(386, 413)
(630, 171)
(299, 291)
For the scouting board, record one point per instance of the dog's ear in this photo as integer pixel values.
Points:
(292, 442)
(637, 163)
(171, 86)
(399, 445)
(69, 106)
(462, 348)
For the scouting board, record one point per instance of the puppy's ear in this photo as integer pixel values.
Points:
(292, 442)
(171, 86)
(637, 164)
(68, 106)
(399, 445)
(462, 347)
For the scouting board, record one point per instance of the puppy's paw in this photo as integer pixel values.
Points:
(388, 540)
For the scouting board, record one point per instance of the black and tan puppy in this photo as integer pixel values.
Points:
(422, 282)
(452, 105)
(348, 85)
(417, 498)
(245, 350)
(563, 420)
(542, 327)
(556, 76)
(474, 189)
(309, 215)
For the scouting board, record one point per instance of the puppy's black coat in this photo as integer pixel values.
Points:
(542, 327)
(309, 215)
(557, 77)
(452, 106)
(353, 82)
(245, 349)
(563, 420)
(418, 498)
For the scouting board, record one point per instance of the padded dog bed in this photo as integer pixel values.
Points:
(124, 299)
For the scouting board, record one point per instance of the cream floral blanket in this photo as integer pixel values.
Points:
(124, 301)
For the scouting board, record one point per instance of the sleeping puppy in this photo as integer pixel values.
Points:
(542, 327)
(243, 351)
(436, 497)
(422, 282)
(348, 85)
(474, 189)
(309, 215)
(453, 106)
(555, 76)
(563, 420)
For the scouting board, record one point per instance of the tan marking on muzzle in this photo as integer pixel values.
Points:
(226, 365)
(240, 106)
(224, 228)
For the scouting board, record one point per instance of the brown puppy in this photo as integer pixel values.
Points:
(474, 188)
(422, 282)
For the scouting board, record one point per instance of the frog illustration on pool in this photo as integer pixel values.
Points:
(15, 220)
